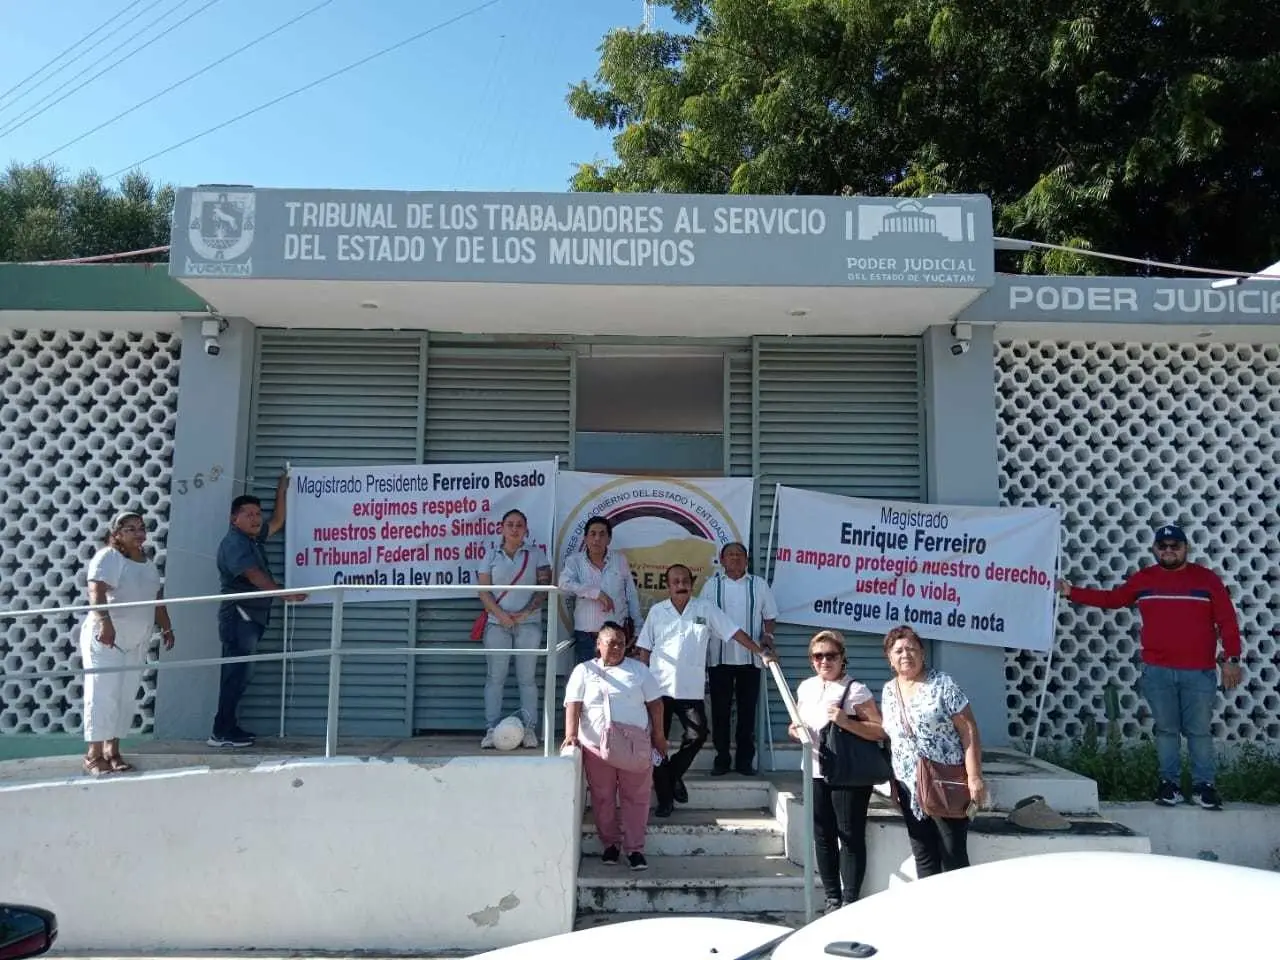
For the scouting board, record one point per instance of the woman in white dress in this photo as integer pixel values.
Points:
(118, 573)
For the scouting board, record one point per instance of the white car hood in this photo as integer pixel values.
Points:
(1060, 906)
(657, 938)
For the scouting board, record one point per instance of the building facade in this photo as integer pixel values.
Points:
(805, 341)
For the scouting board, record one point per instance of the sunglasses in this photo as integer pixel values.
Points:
(1168, 545)
(824, 656)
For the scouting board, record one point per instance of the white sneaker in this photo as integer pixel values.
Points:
(487, 742)
(530, 739)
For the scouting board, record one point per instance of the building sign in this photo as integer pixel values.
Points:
(982, 575)
(582, 238)
(413, 525)
(1126, 300)
(656, 522)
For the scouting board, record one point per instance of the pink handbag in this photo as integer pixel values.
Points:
(623, 745)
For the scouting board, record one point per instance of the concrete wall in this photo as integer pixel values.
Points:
(212, 425)
(325, 855)
(1244, 834)
(962, 470)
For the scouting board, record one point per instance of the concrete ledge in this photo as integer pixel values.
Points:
(1244, 834)
(351, 854)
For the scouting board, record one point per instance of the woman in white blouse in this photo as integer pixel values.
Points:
(118, 573)
(599, 580)
(839, 813)
(619, 798)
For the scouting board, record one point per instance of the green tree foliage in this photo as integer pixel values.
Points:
(45, 216)
(1146, 127)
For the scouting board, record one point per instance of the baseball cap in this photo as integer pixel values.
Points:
(1170, 532)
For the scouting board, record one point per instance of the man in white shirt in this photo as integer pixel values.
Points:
(733, 672)
(673, 642)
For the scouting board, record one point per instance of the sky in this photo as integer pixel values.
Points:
(478, 104)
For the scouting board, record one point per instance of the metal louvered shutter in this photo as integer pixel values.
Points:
(738, 423)
(324, 398)
(837, 415)
(484, 403)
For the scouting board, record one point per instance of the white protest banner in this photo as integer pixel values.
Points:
(657, 521)
(981, 575)
(412, 525)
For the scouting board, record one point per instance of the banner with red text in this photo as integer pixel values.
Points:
(980, 575)
(412, 525)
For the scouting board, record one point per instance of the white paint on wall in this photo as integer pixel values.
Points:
(340, 855)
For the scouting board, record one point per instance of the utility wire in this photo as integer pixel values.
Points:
(27, 117)
(314, 83)
(31, 76)
(187, 79)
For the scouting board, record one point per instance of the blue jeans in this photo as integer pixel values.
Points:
(239, 639)
(1182, 704)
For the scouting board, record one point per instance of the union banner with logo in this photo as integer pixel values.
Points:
(657, 521)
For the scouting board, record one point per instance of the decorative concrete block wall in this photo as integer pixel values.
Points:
(86, 429)
(1125, 437)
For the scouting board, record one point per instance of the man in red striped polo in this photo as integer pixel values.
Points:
(1186, 612)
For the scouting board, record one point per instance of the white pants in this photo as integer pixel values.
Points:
(525, 636)
(110, 699)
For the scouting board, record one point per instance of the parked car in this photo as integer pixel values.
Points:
(25, 931)
(1101, 906)
(1104, 906)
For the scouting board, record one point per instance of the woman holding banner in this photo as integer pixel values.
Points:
(513, 621)
(937, 756)
(839, 813)
(599, 580)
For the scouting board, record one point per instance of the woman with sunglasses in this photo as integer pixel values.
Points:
(119, 572)
(839, 813)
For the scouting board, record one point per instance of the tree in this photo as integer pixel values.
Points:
(1144, 127)
(44, 216)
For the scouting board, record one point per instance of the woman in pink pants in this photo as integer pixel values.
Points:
(619, 798)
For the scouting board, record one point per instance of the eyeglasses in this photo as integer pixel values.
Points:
(825, 656)
(1168, 545)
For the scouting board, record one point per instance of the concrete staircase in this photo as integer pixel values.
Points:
(736, 849)
(724, 852)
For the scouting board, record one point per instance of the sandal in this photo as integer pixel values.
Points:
(96, 766)
(119, 765)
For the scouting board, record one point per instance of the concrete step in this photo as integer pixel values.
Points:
(586, 921)
(694, 833)
(702, 885)
(730, 792)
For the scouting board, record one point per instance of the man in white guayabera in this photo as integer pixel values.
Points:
(733, 672)
(673, 642)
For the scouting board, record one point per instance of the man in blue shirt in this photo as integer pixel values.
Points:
(243, 568)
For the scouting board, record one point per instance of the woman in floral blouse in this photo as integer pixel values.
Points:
(926, 713)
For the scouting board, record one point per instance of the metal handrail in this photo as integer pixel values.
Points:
(806, 788)
(335, 652)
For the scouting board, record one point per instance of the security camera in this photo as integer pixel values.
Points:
(963, 333)
(210, 329)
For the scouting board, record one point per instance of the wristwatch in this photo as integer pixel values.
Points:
(1234, 661)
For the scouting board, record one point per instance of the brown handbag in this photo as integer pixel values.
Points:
(943, 788)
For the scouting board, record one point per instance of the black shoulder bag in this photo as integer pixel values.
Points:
(849, 760)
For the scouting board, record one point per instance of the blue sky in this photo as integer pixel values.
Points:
(477, 105)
